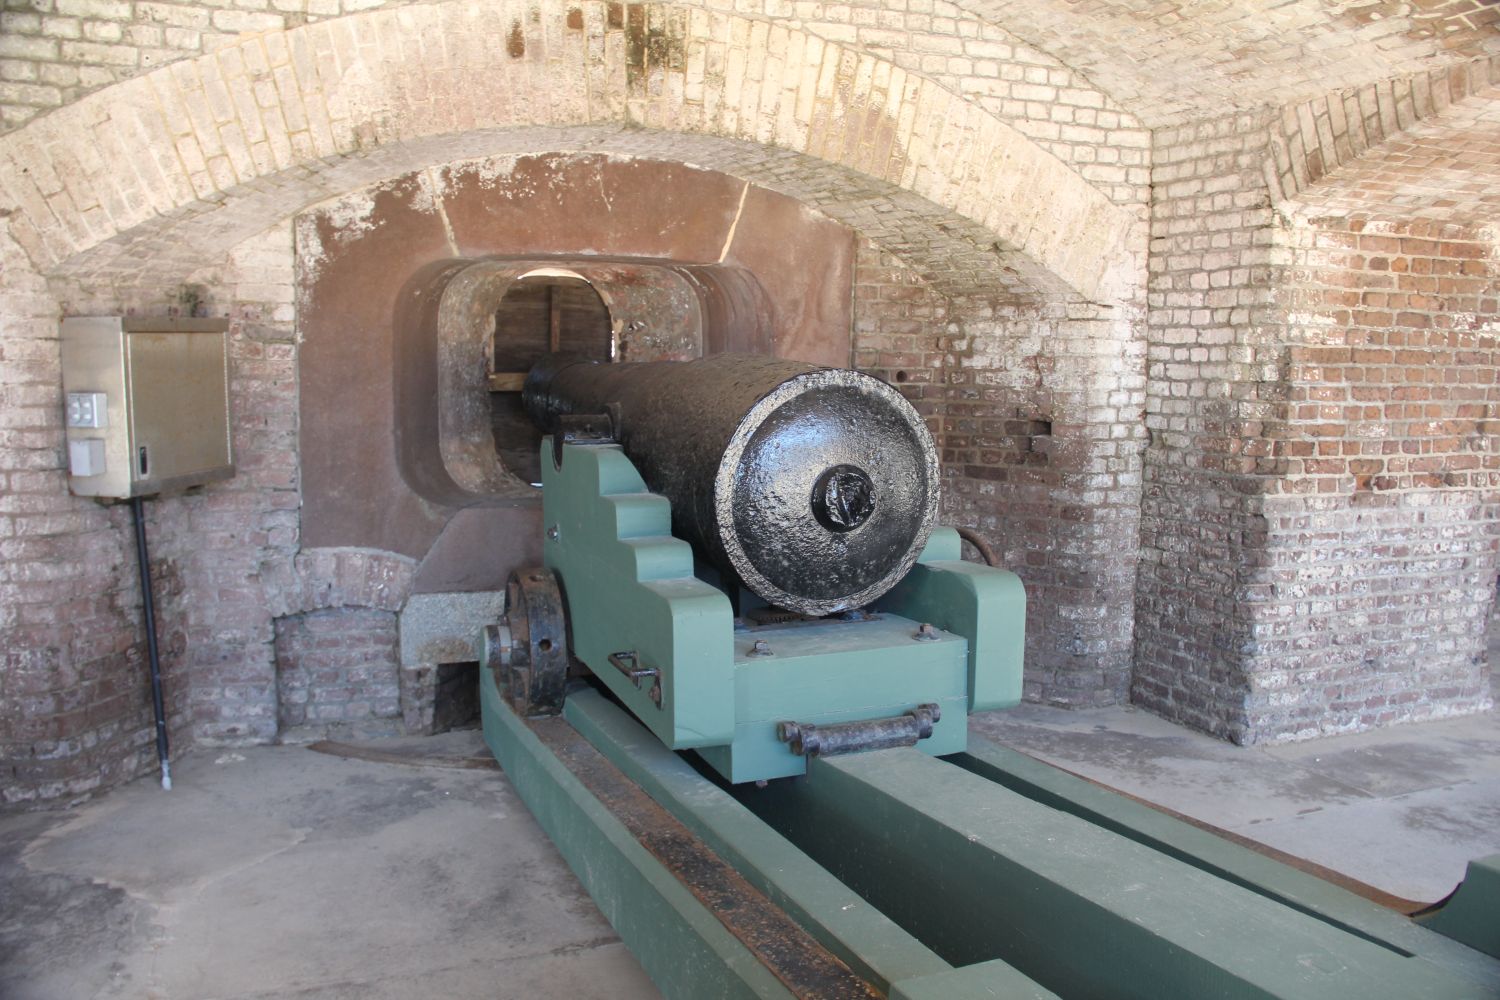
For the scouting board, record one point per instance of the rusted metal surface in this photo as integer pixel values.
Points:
(981, 545)
(418, 757)
(535, 671)
(789, 952)
(843, 498)
(808, 740)
(758, 456)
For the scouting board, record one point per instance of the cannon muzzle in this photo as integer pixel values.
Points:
(814, 487)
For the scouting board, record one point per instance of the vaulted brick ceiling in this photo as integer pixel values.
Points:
(1442, 170)
(1169, 62)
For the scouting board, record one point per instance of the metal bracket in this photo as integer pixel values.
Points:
(581, 428)
(808, 740)
(629, 664)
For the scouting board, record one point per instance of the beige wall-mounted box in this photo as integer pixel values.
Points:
(147, 404)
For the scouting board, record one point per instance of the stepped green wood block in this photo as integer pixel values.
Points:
(864, 938)
(629, 585)
(981, 873)
(986, 606)
(985, 981)
(683, 947)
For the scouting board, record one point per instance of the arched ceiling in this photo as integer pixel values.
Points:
(1163, 61)
(1442, 169)
(147, 176)
(1168, 62)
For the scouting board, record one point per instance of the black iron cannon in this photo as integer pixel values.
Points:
(814, 487)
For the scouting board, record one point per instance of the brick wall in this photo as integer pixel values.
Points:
(1035, 406)
(1176, 64)
(1211, 379)
(1380, 557)
(337, 672)
(73, 667)
(146, 177)
(54, 51)
(1317, 527)
(77, 703)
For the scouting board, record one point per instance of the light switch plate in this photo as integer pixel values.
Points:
(88, 410)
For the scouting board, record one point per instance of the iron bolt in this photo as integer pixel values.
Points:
(926, 633)
(761, 648)
(553, 533)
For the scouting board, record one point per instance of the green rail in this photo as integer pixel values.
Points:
(980, 876)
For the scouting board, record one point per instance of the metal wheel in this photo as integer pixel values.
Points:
(528, 650)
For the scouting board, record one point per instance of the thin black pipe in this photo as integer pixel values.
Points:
(148, 612)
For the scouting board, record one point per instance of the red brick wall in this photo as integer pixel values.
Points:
(75, 690)
(1035, 408)
(1379, 565)
(1393, 386)
(1317, 545)
(71, 665)
(338, 670)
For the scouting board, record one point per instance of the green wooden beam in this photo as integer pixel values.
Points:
(1472, 913)
(979, 872)
(845, 924)
(983, 604)
(1232, 862)
(986, 981)
(683, 947)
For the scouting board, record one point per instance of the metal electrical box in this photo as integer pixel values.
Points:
(147, 404)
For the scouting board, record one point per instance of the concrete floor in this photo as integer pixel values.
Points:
(283, 872)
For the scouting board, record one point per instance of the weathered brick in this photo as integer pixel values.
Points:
(26, 47)
(246, 21)
(115, 10)
(98, 54)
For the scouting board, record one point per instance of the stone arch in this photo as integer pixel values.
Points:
(158, 171)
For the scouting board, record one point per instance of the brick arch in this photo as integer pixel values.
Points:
(321, 579)
(159, 171)
(1322, 152)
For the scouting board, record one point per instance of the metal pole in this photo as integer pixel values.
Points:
(148, 612)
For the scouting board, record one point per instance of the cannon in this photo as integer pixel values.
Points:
(743, 550)
(741, 553)
(815, 488)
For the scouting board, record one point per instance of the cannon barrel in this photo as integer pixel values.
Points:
(814, 487)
